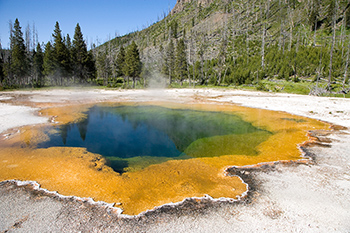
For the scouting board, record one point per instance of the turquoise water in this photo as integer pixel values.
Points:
(148, 134)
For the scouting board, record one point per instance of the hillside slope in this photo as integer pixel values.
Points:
(241, 41)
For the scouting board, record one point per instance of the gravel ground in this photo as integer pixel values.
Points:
(294, 198)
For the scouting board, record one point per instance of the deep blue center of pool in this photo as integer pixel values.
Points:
(132, 131)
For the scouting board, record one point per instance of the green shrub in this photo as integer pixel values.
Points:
(261, 87)
(99, 81)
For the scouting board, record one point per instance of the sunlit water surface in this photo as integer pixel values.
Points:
(128, 133)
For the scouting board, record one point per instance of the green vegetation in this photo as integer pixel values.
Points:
(242, 43)
(83, 63)
(169, 62)
(61, 64)
(181, 62)
(132, 65)
(260, 44)
(116, 70)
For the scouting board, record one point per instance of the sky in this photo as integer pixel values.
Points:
(99, 19)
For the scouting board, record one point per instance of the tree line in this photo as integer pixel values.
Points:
(60, 62)
(115, 66)
(175, 65)
(273, 39)
(116, 70)
(255, 40)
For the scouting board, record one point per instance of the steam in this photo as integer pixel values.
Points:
(156, 80)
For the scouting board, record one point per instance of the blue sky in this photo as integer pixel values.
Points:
(98, 19)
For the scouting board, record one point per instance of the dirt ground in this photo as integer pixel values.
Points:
(283, 198)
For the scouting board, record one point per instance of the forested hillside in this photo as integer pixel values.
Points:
(241, 42)
(200, 42)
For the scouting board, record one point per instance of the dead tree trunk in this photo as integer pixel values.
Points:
(263, 47)
(342, 35)
(290, 13)
(222, 54)
(332, 48)
(189, 60)
(265, 17)
(346, 66)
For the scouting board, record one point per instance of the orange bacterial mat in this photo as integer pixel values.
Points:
(77, 172)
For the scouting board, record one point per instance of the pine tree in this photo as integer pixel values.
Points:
(90, 66)
(68, 42)
(19, 61)
(133, 64)
(61, 56)
(120, 62)
(173, 27)
(2, 73)
(38, 62)
(80, 55)
(103, 66)
(48, 61)
(331, 11)
(169, 63)
(314, 12)
(181, 61)
(69, 67)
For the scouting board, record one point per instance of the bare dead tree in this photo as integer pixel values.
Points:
(334, 17)
(346, 68)
(34, 36)
(342, 34)
(316, 90)
(320, 68)
(291, 21)
(10, 24)
(222, 53)
(189, 58)
(28, 38)
(233, 31)
(201, 54)
(263, 46)
(281, 37)
(10, 80)
(265, 18)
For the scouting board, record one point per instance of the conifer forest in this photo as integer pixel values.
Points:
(268, 45)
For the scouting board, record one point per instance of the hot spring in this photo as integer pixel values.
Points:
(126, 135)
(141, 156)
